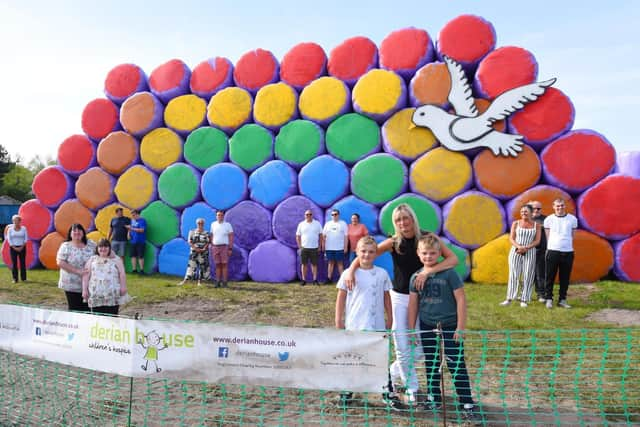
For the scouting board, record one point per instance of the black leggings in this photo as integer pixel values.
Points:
(106, 309)
(15, 256)
(74, 300)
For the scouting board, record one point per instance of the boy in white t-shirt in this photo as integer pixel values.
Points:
(364, 307)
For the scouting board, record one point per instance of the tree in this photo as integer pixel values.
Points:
(5, 161)
(17, 183)
(38, 163)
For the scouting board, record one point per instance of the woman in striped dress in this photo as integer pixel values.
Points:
(525, 236)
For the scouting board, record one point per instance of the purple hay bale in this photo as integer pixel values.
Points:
(628, 163)
(272, 262)
(288, 214)
(238, 264)
(251, 224)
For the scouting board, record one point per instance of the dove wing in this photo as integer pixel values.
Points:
(460, 95)
(512, 100)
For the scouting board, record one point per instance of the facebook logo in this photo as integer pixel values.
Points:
(223, 352)
(38, 331)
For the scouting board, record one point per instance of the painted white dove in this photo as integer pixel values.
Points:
(466, 129)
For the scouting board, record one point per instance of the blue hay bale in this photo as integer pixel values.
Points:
(223, 185)
(273, 182)
(192, 213)
(350, 205)
(173, 257)
(324, 180)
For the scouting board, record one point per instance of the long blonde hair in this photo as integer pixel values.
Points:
(397, 237)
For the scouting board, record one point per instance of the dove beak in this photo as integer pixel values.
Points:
(412, 126)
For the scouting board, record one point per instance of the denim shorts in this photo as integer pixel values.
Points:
(118, 247)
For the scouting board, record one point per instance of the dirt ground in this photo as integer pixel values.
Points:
(213, 311)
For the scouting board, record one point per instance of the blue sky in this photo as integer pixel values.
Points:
(56, 54)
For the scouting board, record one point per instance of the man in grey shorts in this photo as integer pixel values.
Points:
(309, 240)
(118, 232)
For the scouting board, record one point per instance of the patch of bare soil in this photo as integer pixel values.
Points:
(192, 308)
(616, 316)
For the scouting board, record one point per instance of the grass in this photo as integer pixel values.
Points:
(309, 306)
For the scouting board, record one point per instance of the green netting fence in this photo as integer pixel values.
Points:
(533, 377)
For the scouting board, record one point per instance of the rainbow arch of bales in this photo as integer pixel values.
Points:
(267, 139)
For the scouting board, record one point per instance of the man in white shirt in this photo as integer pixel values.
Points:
(309, 239)
(335, 243)
(559, 228)
(222, 244)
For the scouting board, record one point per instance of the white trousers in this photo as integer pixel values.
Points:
(404, 367)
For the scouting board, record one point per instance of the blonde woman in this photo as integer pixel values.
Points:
(403, 246)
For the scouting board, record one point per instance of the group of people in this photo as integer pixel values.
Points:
(124, 230)
(92, 275)
(423, 288)
(219, 239)
(336, 239)
(541, 248)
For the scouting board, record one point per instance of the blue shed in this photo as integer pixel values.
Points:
(8, 208)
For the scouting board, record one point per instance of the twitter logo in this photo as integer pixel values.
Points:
(283, 356)
(70, 336)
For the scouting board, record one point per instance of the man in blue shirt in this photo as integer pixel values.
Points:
(137, 236)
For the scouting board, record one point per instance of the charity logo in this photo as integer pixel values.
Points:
(223, 352)
(466, 128)
(152, 342)
(284, 356)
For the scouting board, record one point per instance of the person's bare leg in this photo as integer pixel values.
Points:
(303, 269)
(340, 267)
(225, 274)
(330, 265)
(218, 272)
(314, 272)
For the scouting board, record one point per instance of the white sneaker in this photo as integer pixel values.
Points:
(542, 300)
(563, 303)
(524, 304)
(505, 302)
(549, 303)
(412, 399)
